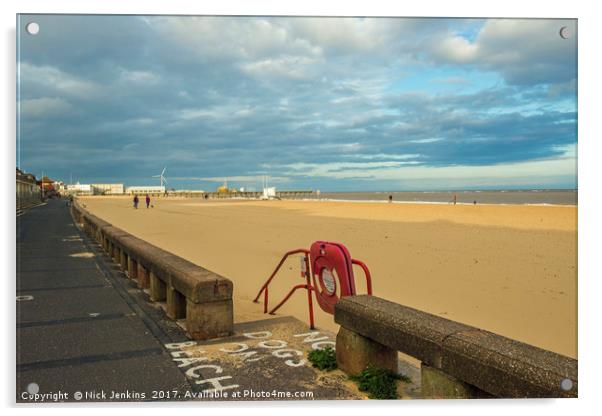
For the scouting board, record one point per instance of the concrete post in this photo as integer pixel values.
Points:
(124, 261)
(143, 277)
(436, 384)
(157, 288)
(176, 304)
(355, 352)
(133, 268)
(210, 319)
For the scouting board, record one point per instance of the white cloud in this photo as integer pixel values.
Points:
(53, 78)
(293, 67)
(216, 112)
(523, 51)
(44, 107)
(227, 37)
(243, 178)
(542, 171)
(456, 49)
(387, 156)
(142, 77)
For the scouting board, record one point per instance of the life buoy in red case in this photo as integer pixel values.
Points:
(332, 273)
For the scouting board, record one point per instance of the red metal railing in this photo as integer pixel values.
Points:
(306, 273)
(265, 285)
(367, 273)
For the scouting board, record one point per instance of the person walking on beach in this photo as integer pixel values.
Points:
(147, 201)
(390, 198)
(135, 201)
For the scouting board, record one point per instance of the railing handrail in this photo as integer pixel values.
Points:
(290, 253)
(366, 273)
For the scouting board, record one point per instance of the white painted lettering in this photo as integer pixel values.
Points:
(258, 335)
(311, 336)
(245, 356)
(179, 345)
(322, 345)
(286, 353)
(272, 343)
(242, 348)
(191, 372)
(217, 385)
(292, 363)
(184, 362)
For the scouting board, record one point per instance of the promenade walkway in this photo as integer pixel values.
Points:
(85, 331)
(77, 327)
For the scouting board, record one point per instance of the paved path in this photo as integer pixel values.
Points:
(78, 329)
(83, 326)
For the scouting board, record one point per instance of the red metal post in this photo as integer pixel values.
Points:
(265, 300)
(309, 294)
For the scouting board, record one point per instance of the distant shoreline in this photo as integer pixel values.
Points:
(379, 201)
(499, 197)
(520, 198)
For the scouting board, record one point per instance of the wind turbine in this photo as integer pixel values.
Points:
(161, 177)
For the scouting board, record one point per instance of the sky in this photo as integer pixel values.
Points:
(336, 104)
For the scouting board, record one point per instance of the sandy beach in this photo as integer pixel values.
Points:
(510, 269)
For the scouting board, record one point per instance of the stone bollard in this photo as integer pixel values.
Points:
(355, 352)
(435, 384)
(209, 320)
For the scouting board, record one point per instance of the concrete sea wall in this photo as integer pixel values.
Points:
(200, 297)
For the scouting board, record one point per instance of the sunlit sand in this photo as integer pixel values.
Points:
(508, 269)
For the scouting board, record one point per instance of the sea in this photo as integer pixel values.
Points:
(507, 197)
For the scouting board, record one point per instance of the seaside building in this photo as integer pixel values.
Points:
(138, 190)
(49, 187)
(28, 191)
(269, 193)
(79, 189)
(107, 188)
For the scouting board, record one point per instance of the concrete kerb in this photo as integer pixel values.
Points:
(455, 357)
(201, 297)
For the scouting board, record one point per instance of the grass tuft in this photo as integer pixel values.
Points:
(324, 359)
(378, 382)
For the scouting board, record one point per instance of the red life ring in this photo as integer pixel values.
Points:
(332, 273)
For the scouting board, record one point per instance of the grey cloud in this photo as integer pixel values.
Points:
(223, 96)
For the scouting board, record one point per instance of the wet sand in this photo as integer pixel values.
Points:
(510, 269)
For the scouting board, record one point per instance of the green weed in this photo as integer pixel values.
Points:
(324, 359)
(378, 382)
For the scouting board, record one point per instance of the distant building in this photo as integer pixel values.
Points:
(107, 188)
(224, 188)
(49, 187)
(145, 190)
(79, 189)
(28, 191)
(269, 193)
